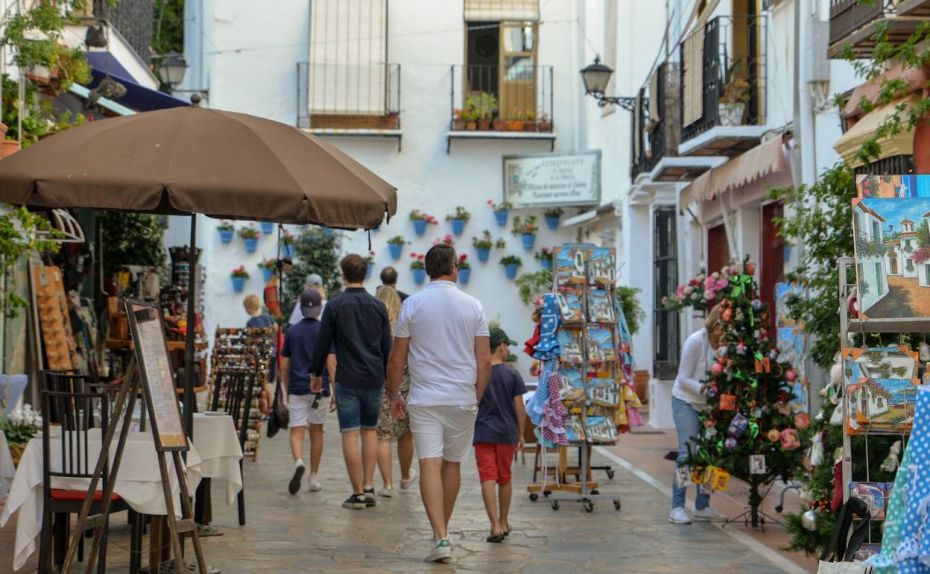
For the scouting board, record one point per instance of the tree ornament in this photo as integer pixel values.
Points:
(750, 268)
(716, 369)
(791, 375)
(802, 421)
(756, 305)
(738, 425)
(727, 315)
(709, 423)
(773, 435)
(730, 443)
(741, 348)
(727, 402)
(722, 351)
(809, 520)
(790, 439)
(710, 433)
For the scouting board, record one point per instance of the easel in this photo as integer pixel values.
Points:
(144, 319)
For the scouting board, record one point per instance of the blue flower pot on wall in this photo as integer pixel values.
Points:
(511, 270)
(267, 227)
(458, 226)
(251, 244)
(419, 226)
(529, 239)
(464, 276)
(552, 222)
(483, 254)
(226, 235)
(288, 251)
(368, 271)
(238, 284)
(500, 216)
(419, 276)
(395, 249)
(546, 263)
(267, 274)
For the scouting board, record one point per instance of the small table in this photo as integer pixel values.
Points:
(7, 468)
(138, 483)
(221, 456)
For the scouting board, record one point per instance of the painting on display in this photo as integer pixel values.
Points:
(892, 248)
(791, 342)
(880, 389)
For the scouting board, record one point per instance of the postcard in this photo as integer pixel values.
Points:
(574, 429)
(571, 346)
(600, 306)
(570, 266)
(571, 384)
(600, 342)
(571, 308)
(602, 266)
(603, 392)
(600, 430)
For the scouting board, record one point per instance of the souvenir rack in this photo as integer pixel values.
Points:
(584, 283)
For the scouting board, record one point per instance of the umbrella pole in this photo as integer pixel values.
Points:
(191, 332)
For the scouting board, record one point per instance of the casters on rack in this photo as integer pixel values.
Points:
(546, 493)
(610, 473)
(534, 497)
(588, 505)
(554, 504)
(617, 504)
(595, 491)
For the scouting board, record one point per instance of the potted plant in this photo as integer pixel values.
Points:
(420, 221)
(19, 427)
(227, 231)
(250, 236)
(267, 227)
(396, 246)
(526, 229)
(544, 256)
(418, 268)
(288, 250)
(485, 106)
(514, 123)
(530, 124)
(464, 269)
(544, 123)
(370, 260)
(484, 244)
(498, 124)
(470, 118)
(458, 122)
(447, 240)
(268, 267)
(239, 276)
(501, 210)
(553, 217)
(734, 97)
(459, 219)
(511, 265)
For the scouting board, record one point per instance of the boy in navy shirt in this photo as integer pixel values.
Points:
(499, 433)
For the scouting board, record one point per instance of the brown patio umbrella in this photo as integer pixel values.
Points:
(194, 160)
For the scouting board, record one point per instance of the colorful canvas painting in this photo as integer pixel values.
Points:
(880, 394)
(603, 265)
(571, 346)
(603, 392)
(600, 344)
(892, 247)
(875, 495)
(783, 292)
(574, 429)
(600, 430)
(600, 306)
(570, 305)
(889, 186)
(570, 266)
(571, 385)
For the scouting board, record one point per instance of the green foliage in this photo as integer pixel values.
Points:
(632, 310)
(819, 219)
(534, 285)
(131, 239)
(169, 26)
(18, 237)
(317, 252)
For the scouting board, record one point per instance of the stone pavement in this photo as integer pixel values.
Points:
(311, 532)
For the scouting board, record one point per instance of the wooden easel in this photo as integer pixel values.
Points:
(144, 319)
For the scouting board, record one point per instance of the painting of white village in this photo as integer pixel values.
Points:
(881, 389)
(892, 244)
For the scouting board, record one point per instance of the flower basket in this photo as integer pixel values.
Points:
(238, 283)
(226, 235)
(267, 274)
(251, 244)
(500, 216)
(458, 226)
(483, 254)
(553, 222)
(464, 276)
(510, 270)
(529, 240)
(395, 250)
(419, 276)
(419, 226)
(267, 227)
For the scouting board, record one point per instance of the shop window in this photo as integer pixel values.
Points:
(665, 269)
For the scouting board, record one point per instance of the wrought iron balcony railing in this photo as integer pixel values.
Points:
(515, 98)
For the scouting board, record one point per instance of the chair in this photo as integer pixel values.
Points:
(239, 387)
(80, 408)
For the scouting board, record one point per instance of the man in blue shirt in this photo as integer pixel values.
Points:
(306, 404)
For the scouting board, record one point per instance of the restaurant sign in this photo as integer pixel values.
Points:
(553, 179)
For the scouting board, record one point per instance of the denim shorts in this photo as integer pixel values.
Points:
(357, 407)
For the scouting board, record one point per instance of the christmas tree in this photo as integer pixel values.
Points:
(750, 411)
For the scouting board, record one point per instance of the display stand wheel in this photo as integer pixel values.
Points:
(534, 497)
(546, 493)
(588, 505)
(595, 491)
(617, 504)
(610, 473)
(554, 504)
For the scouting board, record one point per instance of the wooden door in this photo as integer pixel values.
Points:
(718, 248)
(772, 265)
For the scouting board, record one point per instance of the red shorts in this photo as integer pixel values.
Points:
(494, 461)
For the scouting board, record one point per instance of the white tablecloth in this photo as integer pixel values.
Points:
(220, 453)
(7, 470)
(138, 483)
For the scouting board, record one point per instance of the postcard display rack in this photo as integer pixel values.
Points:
(589, 372)
(879, 392)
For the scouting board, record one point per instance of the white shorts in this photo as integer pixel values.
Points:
(443, 431)
(301, 412)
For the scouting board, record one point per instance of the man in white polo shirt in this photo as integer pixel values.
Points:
(442, 336)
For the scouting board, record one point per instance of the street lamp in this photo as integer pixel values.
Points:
(171, 68)
(596, 76)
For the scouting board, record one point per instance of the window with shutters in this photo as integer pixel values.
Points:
(665, 267)
(350, 83)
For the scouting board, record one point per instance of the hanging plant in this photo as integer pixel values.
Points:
(18, 231)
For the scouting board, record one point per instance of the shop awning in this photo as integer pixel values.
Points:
(138, 97)
(763, 161)
(863, 130)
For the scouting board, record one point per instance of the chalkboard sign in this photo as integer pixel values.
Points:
(157, 375)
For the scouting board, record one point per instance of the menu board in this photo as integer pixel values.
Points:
(157, 379)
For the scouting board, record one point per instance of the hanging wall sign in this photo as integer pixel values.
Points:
(553, 179)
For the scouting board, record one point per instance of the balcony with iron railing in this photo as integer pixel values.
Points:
(349, 99)
(723, 87)
(854, 24)
(501, 102)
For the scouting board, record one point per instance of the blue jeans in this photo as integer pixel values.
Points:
(688, 425)
(358, 407)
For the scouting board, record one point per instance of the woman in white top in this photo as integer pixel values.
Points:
(687, 403)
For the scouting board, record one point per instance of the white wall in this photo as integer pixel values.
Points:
(249, 64)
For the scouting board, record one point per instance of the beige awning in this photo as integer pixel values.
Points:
(863, 130)
(760, 162)
(501, 10)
